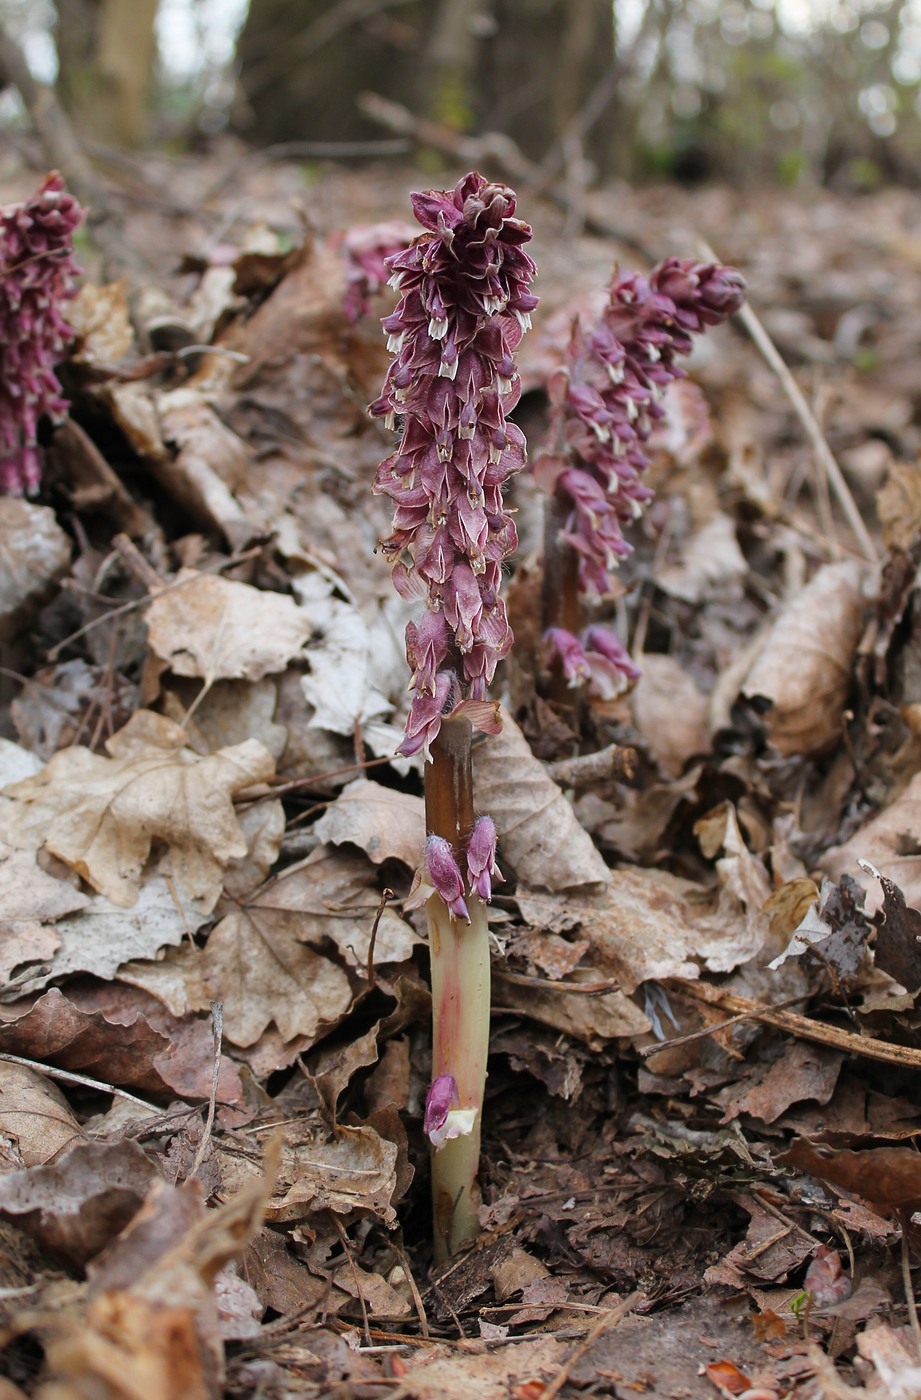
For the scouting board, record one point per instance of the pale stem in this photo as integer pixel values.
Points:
(460, 992)
(460, 1035)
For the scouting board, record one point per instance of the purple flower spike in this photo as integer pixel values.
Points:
(481, 858)
(444, 873)
(606, 401)
(464, 305)
(37, 272)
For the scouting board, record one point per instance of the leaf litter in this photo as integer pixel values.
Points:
(698, 1151)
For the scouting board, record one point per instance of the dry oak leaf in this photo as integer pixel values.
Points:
(216, 629)
(101, 815)
(803, 670)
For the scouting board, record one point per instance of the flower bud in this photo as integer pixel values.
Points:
(445, 876)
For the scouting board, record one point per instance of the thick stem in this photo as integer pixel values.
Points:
(561, 600)
(460, 993)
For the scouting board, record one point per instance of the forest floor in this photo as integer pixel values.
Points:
(699, 1170)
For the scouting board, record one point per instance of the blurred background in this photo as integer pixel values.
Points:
(784, 92)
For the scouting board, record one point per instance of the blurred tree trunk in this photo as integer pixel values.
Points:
(106, 51)
(524, 67)
(541, 65)
(303, 63)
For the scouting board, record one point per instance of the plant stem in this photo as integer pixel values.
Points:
(561, 600)
(460, 993)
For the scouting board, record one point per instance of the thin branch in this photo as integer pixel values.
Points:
(67, 1077)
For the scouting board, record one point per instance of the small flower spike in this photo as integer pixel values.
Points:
(605, 402)
(37, 274)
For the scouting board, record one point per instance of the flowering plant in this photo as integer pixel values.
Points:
(605, 401)
(464, 306)
(37, 272)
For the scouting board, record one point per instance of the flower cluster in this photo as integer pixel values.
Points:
(366, 248)
(464, 305)
(37, 272)
(605, 402)
(444, 873)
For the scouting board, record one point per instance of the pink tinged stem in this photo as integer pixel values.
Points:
(460, 994)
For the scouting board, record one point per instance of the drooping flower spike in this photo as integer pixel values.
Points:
(37, 276)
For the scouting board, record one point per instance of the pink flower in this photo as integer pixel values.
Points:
(37, 272)
(366, 248)
(598, 657)
(444, 875)
(440, 1099)
(481, 858)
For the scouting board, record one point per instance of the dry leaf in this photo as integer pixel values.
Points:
(152, 1330)
(593, 1019)
(231, 712)
(55, 1031)
(539, 833)
(256, 963)
(898, 1374)
(31, 902)
(51, 711)
(339, 686)
(34, 553)
(101, 815)
(79, 1203)
(215, 629)
(888, 841)
(645, 925)
(803, 670)
(212, 463)
(176, 979)
(101, 322)
(102, 936)
(670, 712)
(35, 1116)
(263, 828)
(888, 1177)
(712, 564)
(898, 505)
(356, 1170)
(800, 1072)
(385, 823)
